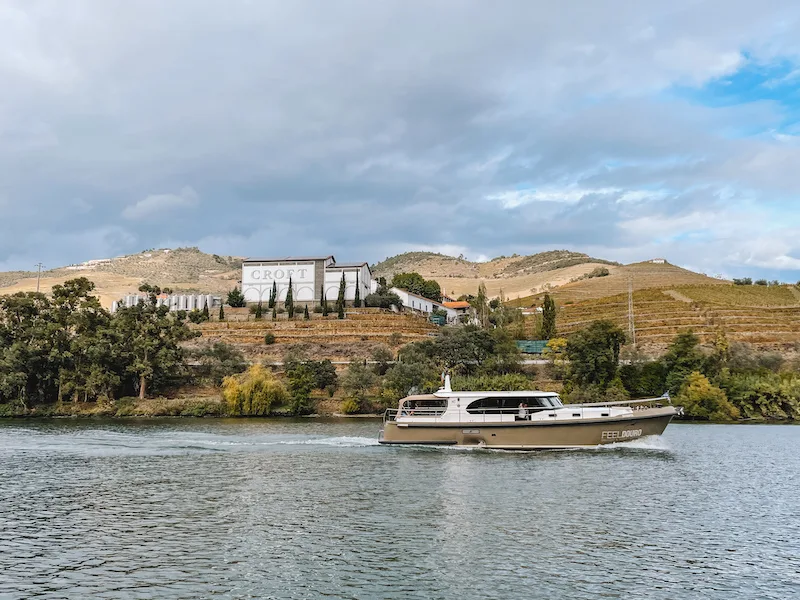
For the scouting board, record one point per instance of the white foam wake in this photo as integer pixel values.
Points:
(650, 442)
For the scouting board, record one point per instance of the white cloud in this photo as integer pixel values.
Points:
(565, 195)
(160, 203)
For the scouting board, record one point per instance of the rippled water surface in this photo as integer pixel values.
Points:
(307, 509)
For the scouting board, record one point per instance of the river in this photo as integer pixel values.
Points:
(315, 508)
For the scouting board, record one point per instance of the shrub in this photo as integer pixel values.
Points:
(386, 300)
(703, 400)
(318, 309)
(197, 316)
(256, 392)
(235, 298)
(218, 362)
(269, 338)
(350, 406)
(598, 272)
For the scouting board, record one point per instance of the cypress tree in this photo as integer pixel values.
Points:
(205, 313)
(306, 316)
(274, 313)
(324, 301)
(340, 299)
(258, 311)
(548, 318)
(221, 312)
(289, 301)
(357, 299)
(341, 311)
(273, 295)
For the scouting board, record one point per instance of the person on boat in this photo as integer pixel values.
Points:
(522, 413)
(527, 412)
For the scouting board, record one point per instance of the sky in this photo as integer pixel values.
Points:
(627, 129)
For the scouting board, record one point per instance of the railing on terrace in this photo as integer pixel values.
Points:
(391, 414)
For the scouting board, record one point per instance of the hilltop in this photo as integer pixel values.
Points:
(182, 269)
(641, 276)
(514, 276)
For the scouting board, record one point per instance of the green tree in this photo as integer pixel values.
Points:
(306, 314)
(148, 339)
(340, 299)
(235, 298)
(289, 304)
(273, 295)
(481, 305)
(548, 318)
(682, 358)
(205, 313)
(221, 312)
(357, 299)
(274, 313)
(301, 381)
(218, 361)
(382, 356)
(357, 382)
(703, 400)
(259, 313)
(324, 301)
(417, 284)
(594, 353)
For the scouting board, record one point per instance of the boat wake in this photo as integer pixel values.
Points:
(650, 442)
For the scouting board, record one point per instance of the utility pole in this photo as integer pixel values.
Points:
(631, 325)
(38, 275)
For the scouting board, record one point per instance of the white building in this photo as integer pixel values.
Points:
(424, 305)
(310, 276)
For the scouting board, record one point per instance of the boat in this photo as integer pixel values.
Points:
(527, 420)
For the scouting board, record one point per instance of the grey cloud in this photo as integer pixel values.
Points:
(357, 127)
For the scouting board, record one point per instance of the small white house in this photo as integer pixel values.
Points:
(424, 305)
(658, 261)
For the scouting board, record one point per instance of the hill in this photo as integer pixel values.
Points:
(512, 275)
(183, 269)
(767, 317)
(641, 276)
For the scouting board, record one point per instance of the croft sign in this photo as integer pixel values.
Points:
(279, 274)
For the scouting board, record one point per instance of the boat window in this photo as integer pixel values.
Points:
(424, 407)
(493, 405)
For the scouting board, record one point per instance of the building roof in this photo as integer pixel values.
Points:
(288, 259)
(350, 266)
(457, 304)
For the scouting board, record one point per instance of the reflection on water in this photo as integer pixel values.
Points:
(302, 509)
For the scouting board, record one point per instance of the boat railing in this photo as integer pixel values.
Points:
(435, 413)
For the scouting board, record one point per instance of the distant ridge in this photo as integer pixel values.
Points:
(432, 264)
(182, 269)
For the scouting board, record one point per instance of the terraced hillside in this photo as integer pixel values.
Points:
(642, 276)
(766, 317)
(323, 337)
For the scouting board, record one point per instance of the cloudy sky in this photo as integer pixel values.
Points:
(627, 129)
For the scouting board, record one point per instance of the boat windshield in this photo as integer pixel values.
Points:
(551, 401)
(506, 404)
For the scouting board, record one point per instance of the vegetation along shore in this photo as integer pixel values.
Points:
(62, 354)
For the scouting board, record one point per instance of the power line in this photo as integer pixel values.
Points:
(631, 324)
(38, 275)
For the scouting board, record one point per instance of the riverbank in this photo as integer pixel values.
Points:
(199, 406)
(215, 407)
